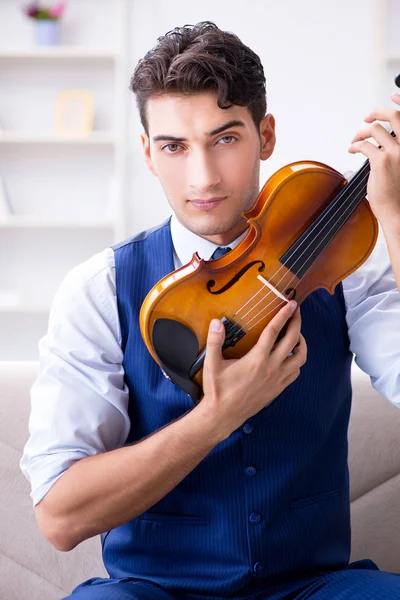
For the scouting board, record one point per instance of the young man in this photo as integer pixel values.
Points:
(239, 496)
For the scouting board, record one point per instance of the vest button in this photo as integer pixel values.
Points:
(250, 471)
(254, 518)
(258, 567)
(247, 428)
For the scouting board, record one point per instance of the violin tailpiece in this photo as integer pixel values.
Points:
(177, 352)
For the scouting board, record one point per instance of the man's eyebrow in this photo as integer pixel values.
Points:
(168, 138)
(172, 138)
(226, 126)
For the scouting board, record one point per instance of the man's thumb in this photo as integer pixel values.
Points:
(215, 340)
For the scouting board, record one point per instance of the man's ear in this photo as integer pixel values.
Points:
(267, 136)
(147, 154)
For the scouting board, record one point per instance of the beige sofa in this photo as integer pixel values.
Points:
(32, 570)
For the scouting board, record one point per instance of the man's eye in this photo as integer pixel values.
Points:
(227, 139)
(171, 148)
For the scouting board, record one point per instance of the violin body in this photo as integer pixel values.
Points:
(251, 283)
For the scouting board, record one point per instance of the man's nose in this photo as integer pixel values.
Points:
(204, 172)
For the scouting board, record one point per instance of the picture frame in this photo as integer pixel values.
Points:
(74, 113)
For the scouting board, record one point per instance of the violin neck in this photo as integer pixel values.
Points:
(311, 244)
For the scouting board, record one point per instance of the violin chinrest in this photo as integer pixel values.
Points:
(176, 347)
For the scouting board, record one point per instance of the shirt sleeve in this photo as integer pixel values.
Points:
(79, 401)
(373, 318)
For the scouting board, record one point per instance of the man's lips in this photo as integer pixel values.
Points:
(207, 203)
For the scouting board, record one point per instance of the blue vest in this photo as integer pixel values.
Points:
(269, 502)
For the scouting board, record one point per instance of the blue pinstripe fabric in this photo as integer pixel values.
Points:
(360, 580)
(272, 500)
(123, 589)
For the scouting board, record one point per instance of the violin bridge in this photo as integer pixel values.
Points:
(271, 287)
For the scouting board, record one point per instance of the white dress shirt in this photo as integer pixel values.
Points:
(80, 399)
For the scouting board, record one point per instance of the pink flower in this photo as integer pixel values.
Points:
(57, 10)
(32, 9)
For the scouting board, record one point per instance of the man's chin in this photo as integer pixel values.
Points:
(215, 229)
(208, 230)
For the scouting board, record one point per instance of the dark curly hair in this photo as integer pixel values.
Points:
(197, 58)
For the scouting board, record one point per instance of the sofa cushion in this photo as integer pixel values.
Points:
(374, 437)
(375, 524)
(38, 567)
(19, 583)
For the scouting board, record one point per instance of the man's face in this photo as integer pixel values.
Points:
(207, 160)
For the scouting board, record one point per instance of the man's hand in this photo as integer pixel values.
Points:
(235, 390)
(384, 180)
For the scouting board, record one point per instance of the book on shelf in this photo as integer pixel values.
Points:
(6, 208)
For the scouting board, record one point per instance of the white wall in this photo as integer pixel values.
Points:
(63, 206)
(324, 68)
(320, 60)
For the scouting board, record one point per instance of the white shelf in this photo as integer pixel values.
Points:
(393, 57)
(25, 309)
(59, 52)
(42, 223)
(50, 233)
(94, 138)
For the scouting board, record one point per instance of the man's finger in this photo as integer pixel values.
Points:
(285, 345)
(388, 114)
(378, 133)
(297, 359)
(395, 98)
(300, 349)
(270, 334)
(366, 148)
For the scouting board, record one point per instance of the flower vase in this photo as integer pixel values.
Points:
(47, 32)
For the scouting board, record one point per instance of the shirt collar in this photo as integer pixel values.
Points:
(186, 243)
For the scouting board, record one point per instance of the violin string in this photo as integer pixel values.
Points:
(349, 210)
(359, 196)
(268, 293)
(308, 235)
(262, 289)
(359, 175)
(246, 325)
(275, 298)
(345, 213)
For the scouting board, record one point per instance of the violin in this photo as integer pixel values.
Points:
(309, 228)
